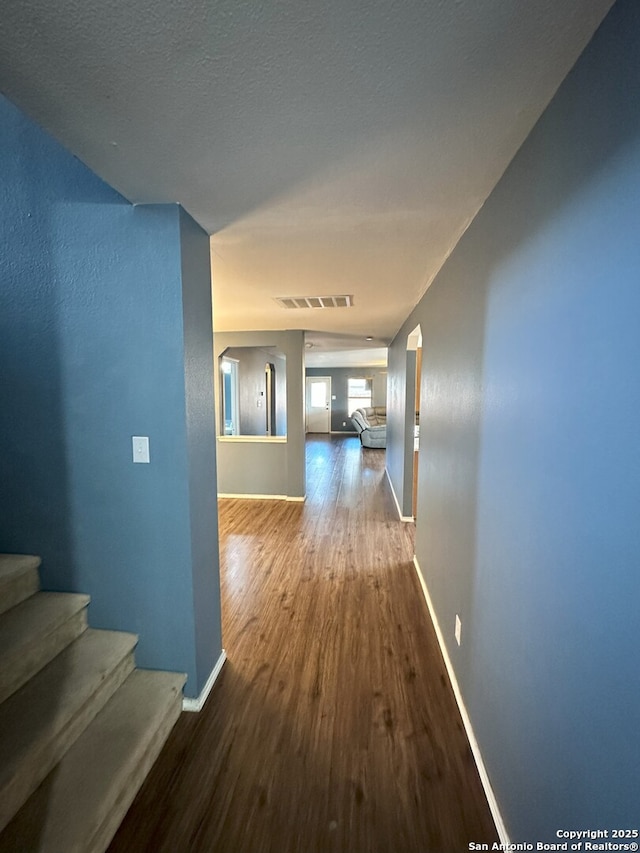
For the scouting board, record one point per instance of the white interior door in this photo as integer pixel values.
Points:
(318, 404)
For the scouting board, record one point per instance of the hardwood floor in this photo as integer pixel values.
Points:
(333, 726)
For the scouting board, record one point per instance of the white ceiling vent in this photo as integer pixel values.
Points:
(345, 301)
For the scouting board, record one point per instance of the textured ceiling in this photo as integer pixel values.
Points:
(334, 147)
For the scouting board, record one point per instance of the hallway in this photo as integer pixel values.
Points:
(332, 726)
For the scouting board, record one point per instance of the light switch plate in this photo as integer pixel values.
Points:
(458, 630)
(140, 448)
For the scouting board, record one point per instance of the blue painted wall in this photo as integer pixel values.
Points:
(95, 347)
(529, 491)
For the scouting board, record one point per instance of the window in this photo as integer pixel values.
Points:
(230, 418)
(319, 394)
(358, 393)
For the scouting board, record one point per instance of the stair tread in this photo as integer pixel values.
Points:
(33, 632)
(16, 564)
(50, 706)
(19, 579)
(37, 615)
(68, 679)
(80, 804)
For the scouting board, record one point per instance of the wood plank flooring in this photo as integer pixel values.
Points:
(333, 726)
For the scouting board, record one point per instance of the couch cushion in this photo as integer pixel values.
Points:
(359, 421)
(373, 415)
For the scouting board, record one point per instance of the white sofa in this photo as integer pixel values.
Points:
(371, 425)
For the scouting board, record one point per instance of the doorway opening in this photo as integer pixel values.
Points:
(270, 394)
(412, 419)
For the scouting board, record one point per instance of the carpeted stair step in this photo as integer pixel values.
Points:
(79, 806)
(40, 721)
(33, 632)
(18, 579)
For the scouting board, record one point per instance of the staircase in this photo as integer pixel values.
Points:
(80, 726)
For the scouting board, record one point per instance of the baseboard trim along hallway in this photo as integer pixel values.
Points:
(473, 743)
(395, 499)
(197, 704)
(299, 499)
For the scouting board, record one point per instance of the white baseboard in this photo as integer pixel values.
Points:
(473, 743)
(261, 497)
(393, 492)
(189, 704)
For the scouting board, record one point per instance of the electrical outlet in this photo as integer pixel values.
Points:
(344, 423)
(458, 630)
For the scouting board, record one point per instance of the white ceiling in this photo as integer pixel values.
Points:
(334, 147)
